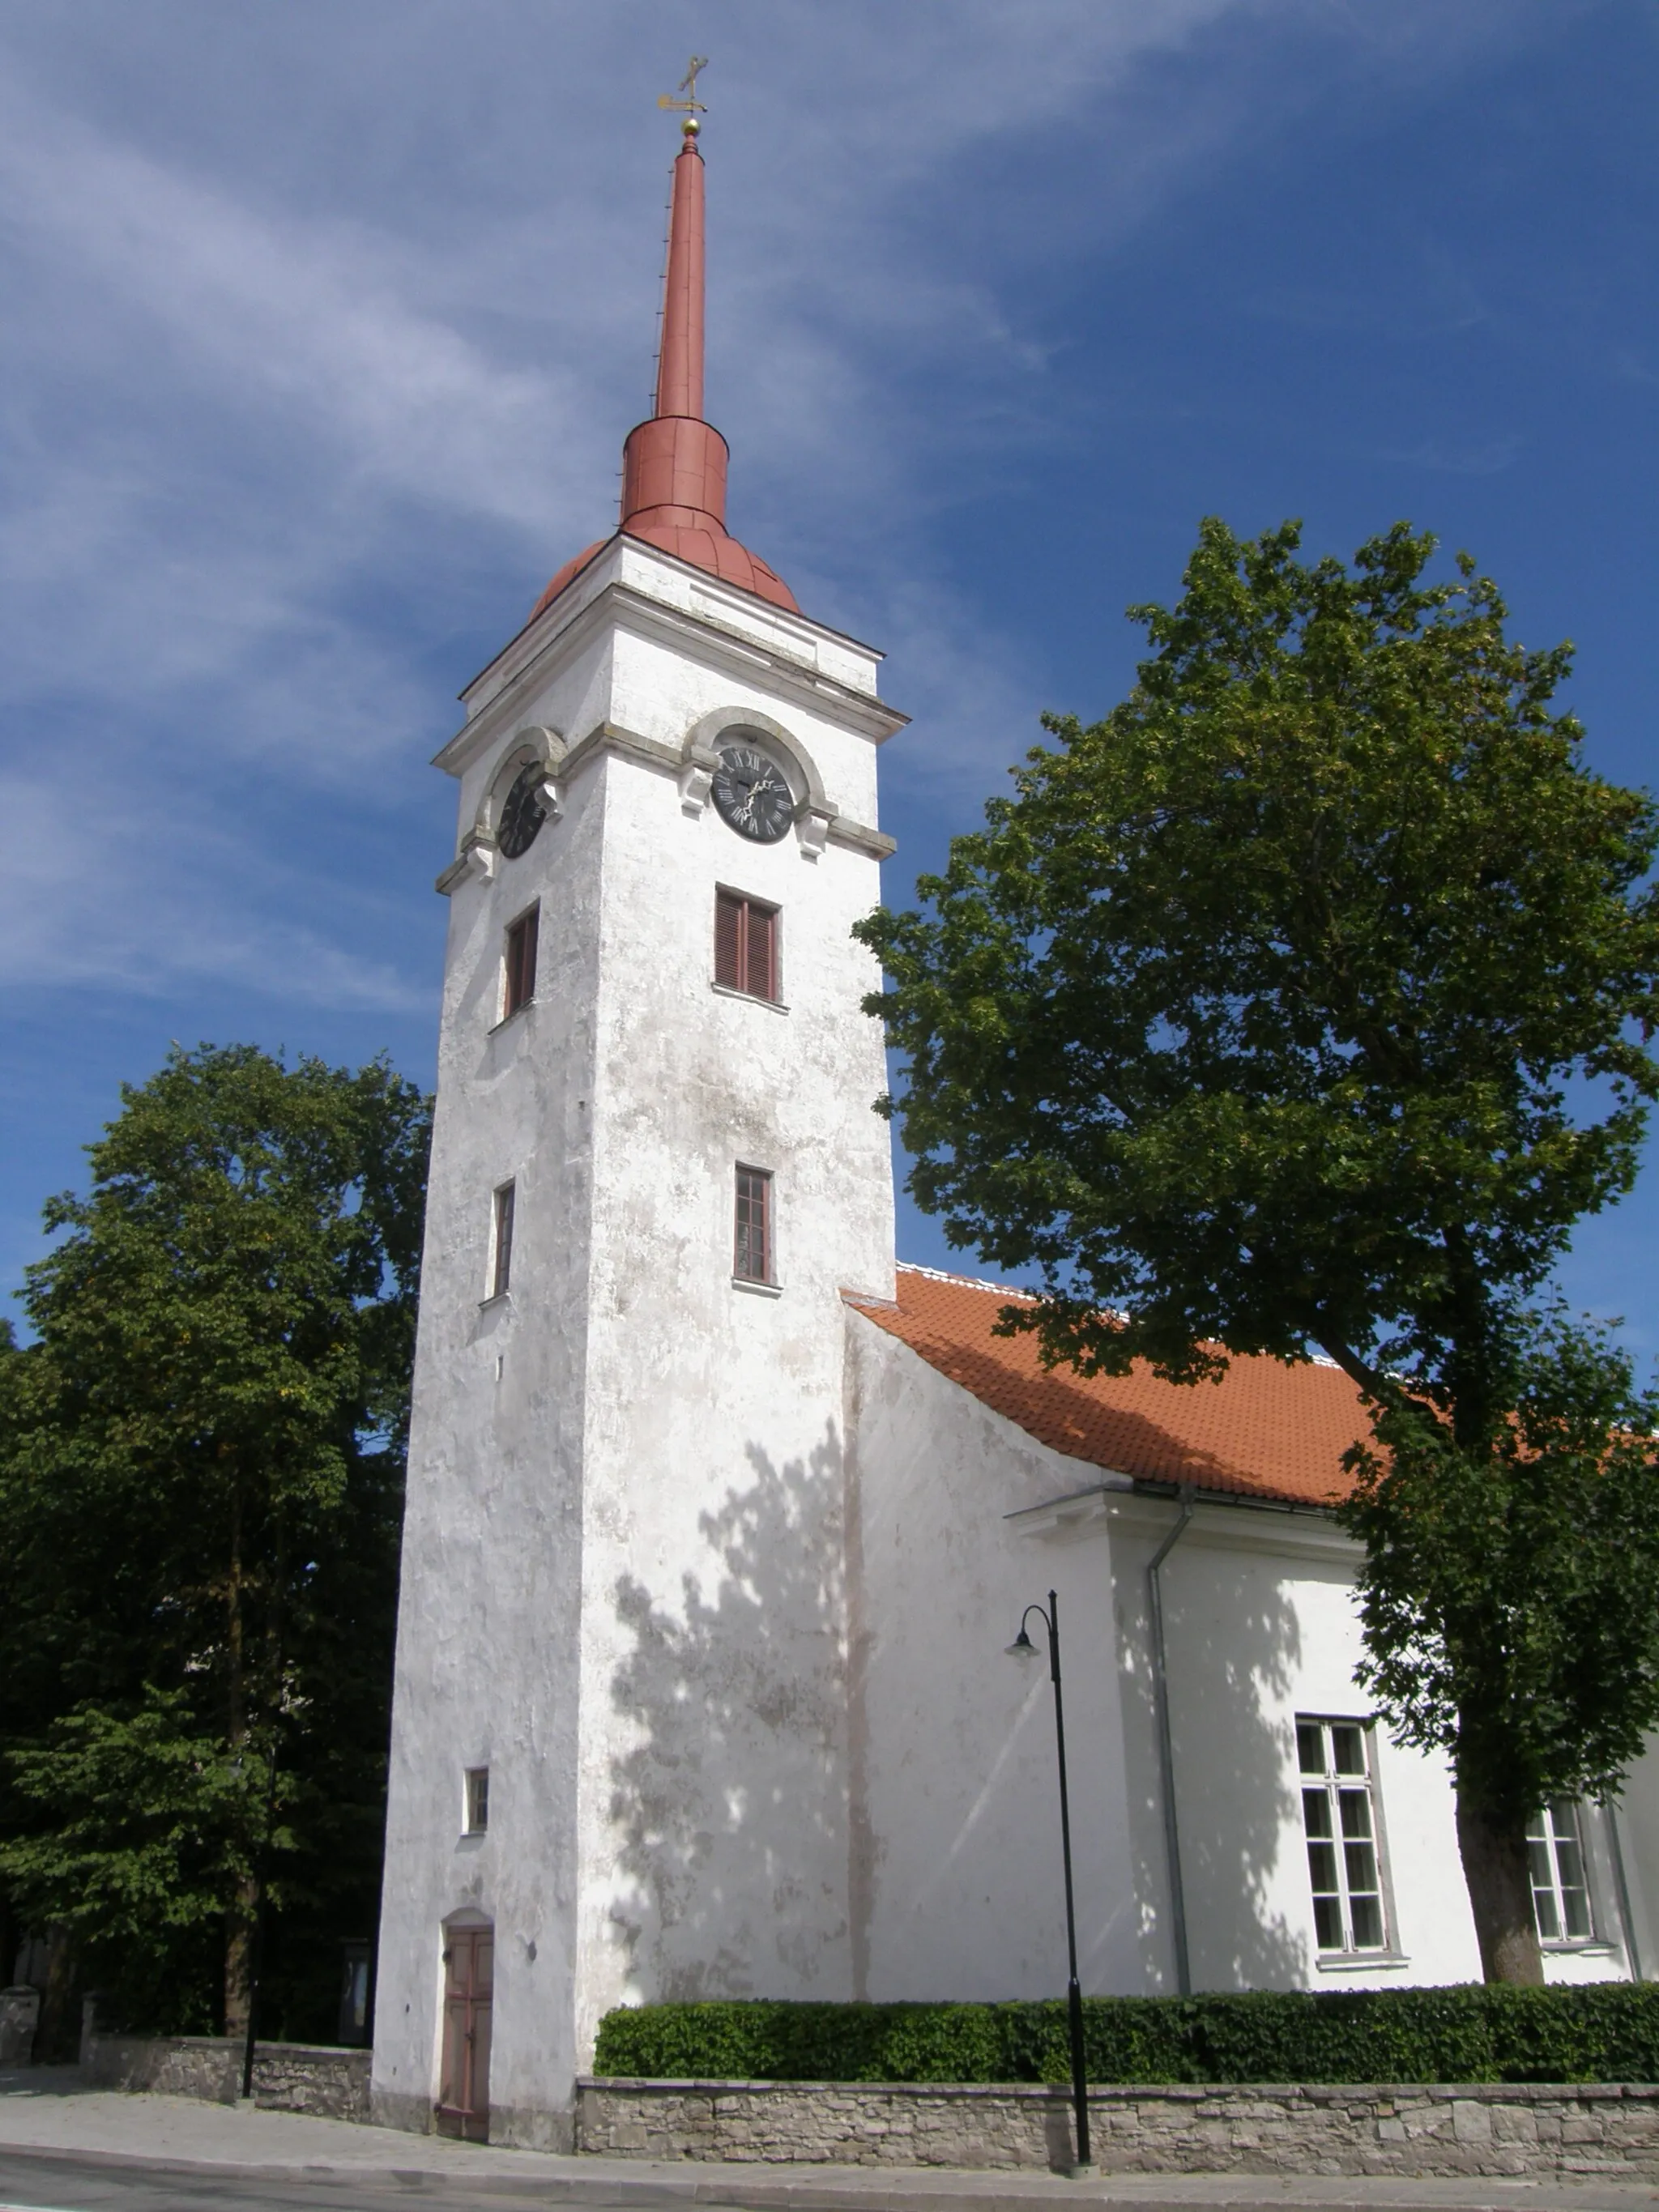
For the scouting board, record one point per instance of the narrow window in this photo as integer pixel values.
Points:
(501, 1271)
(1339, 1819)
(745, 944)
(751, 1260)
(478, 1800)
(519, 981)
(1560, 1894)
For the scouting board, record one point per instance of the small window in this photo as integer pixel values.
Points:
(478, 1800)
(519, 981)
(745, 944)
(500, 1268)
(1560, 1894)
(1339, 1819)
(751, 1260)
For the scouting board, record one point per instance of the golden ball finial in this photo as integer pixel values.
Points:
(691, 126)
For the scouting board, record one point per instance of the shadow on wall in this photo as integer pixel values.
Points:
(1235, 1652)
(730, 1806)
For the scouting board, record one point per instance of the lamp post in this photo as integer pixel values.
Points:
(1023, 1648)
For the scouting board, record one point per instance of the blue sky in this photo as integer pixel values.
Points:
(325, 323)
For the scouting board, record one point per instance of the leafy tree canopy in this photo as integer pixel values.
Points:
(200, 1467)
(1250, 1018)
(1306, 999)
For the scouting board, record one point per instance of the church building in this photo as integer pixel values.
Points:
(720, 1522)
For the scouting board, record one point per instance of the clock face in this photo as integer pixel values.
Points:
(750, 795)
(523, 815)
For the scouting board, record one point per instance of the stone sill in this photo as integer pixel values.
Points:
(748, 997)
(1359, 1962)
(756, 1290)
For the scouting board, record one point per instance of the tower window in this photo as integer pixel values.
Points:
(1339, 1822)
(501, 1265)
(478, 1800)
(519, 979)
(751, 1258)
(745, 944)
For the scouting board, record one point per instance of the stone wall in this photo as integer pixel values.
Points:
(20, 2016)
(288, 2077)
(1522, 2129)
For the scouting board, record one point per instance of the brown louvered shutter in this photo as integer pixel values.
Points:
(521, 961)
(728, 941)
(531, 930)
(762, 952)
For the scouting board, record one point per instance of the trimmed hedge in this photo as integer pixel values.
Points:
(1605, 2032)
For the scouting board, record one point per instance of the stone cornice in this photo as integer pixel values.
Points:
(1227, 1520)
(732, 650)
(476, 858)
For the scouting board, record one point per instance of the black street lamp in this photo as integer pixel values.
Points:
(1023, 1648)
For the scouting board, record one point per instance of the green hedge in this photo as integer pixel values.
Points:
(1608, 2032)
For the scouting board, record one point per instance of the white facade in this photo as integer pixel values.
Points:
(715, 1580)
(593, 1450)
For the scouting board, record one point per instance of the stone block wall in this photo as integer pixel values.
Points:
(1519, 2129)
(288, 2077)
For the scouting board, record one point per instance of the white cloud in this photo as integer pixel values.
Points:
(319, 315)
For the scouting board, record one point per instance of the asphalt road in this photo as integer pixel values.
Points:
(31, 2183)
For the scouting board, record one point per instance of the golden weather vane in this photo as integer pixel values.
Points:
(690, 106)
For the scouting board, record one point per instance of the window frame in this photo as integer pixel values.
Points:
(764, 1179)
(503, 1205)
(527, 924)
(1551, 1841)
(747, 904)
(1333, 1781)
(475, 1801)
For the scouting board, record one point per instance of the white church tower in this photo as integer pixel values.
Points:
(618, 1763)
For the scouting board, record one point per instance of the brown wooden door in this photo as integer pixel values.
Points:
(469, 1975)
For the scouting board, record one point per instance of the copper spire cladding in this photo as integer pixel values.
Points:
(674, 463)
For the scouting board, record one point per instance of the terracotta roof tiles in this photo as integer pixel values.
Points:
(1264, 1430)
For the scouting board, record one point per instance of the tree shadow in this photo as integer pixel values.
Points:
(1233, 1641)
(731, 1802)
(734, 1799)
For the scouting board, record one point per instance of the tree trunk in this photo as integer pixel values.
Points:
(238, 1961)
(1500, 1890)
(58, 2035)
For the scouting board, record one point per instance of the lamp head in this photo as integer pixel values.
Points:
(1022, 1647)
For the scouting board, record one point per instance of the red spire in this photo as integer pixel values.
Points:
(679, 366)
(674, 465)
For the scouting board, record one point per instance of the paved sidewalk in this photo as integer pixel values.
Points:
(45, 2112)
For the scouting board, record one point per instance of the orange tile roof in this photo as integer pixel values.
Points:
(1264, 1430)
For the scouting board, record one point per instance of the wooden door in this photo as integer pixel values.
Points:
(469, 1974)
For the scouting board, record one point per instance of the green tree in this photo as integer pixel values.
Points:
(201, 1470)
(1249, 1022)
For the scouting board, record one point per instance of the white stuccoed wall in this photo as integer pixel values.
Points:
(740, 1688)
(957, 1889)
(623, 1587)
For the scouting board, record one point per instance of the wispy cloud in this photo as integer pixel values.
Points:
(324, 327)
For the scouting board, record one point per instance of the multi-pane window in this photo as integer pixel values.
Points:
(518, 980)
(751, 1258)
(501, 1263)
(1560, 1894)
(1339, 1819)
(478, 1800)
(745, 944)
